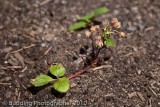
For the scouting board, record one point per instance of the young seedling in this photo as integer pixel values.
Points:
(85, 20)
(100, 37)
(61, 84)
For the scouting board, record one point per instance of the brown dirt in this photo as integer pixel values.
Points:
(131, 77)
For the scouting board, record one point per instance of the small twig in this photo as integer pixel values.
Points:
(140, 96)
(5, 83)
(101, 67)
(150, 102)
(47, 51)
(24, 69)
(45, 2)
(129, 54)
(19, 94)
(149, 28)
(26, 47)
(12, 67)
(153, 91)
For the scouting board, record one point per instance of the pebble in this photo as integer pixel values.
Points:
(49, 37)
(2, 72)
(46, 26)
(15, 44)
(73, 85)
(116, 12)
(21, 75)
(126, 11)
(138, 17)
(46, 20)
(139, 72)
(135, 49)
(135, 9)
(32, 33)
(8, 78)
(144, 51)
(64, 2)
(79, 35)
(30, 71)
(1, 27)
(43, 44)
(8, 94)
(141, 26)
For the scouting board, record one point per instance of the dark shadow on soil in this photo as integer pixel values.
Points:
(49, 74)
(34, 90)
(57, 94)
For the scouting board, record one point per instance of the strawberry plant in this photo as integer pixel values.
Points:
(101, 38)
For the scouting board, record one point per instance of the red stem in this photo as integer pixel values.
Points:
(97, 53)
(86, 68)
(79, 72)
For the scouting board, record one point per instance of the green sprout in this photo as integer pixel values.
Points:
(85, 20)
(61, 83)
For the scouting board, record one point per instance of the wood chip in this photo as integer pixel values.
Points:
(14, 67)
(45, 2)
(15, 60)
(10, 61)
(26, 47)
(73, 85)
(8, 49)
(20, 58)
(132, 94)
(49, 37)
(24, 69)
(149, 28)
(140, 96)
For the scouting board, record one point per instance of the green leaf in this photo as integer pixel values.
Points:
(57, 70)
(62, 85)
(88, 16)
(41, 80)
(109, 42)
(100, 10)
(77, 25)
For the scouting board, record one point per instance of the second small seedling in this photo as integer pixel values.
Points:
(84, 20)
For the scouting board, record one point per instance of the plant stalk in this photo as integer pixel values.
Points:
(86, 68)
(80, 72)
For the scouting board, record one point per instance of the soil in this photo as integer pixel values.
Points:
(34, 35)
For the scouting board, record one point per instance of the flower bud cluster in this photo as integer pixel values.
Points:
(103, 34)
(116, 23)
(99, 41)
